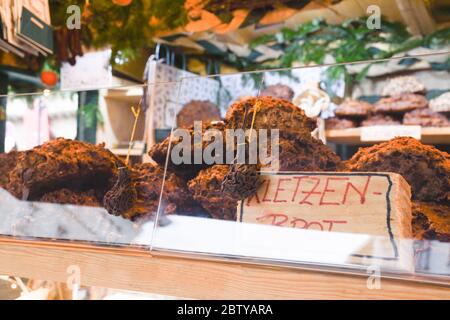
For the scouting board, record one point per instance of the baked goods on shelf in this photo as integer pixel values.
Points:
(206, 189)
(271, 114)
(431, 221)
(401, 103)
(426, 118)
(339, 123)
(404, 84)
(353, 109)
(87, 198)
(197, 110)
(380, 120)
(136, 194)
(426, 168)
(175, 196)
(441, 103)
(279, 91)
(63, 163)
(7, 163)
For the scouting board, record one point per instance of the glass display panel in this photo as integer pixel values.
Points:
(295, 190)
(271, 175)
(69, 157)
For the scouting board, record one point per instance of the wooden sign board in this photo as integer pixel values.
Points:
(374, 204)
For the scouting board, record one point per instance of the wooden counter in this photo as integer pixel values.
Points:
(182, 276)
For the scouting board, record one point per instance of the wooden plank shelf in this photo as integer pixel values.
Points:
(353, 136)
(183, 276)
(131, 95)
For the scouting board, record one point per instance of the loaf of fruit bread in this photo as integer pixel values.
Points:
(426, 168)
(7, 164)
(431, 221)
(63, 163)
(136, 194)
(271, 113)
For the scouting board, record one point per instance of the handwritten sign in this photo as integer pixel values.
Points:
(385, 133)
(374, 204)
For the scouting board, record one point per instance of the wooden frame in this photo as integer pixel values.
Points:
(178, 276)
(353, 136)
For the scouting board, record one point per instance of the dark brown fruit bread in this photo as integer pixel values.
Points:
(431, 221)
(175, 195)
(119, 201)
(279, 91)
(206, 189)
(401, 103)
(63, 163)
(272, 114)
(339, 123)
(136, 194)
(66, 196)
(426, 168)
(380, 120)
(426, 118)
(305, 153)
(197, 110)
(187, 170)
(8, 162)
(241, 181)
(353, 108)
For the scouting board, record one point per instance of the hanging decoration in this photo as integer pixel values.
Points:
(49, 76)
(124, 25)
(68, 45)
(128, 26)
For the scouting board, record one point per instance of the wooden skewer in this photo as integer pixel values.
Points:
(255, 111)
(136, 114)
(257, 106)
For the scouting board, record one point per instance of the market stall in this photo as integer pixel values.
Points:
(285, 226)
(232, 178)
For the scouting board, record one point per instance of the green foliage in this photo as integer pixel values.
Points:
(438, 39)
(347, 42)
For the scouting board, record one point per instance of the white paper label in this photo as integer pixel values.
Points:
(93, 70)
(385, 133)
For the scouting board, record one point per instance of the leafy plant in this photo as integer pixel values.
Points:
(350, 41)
